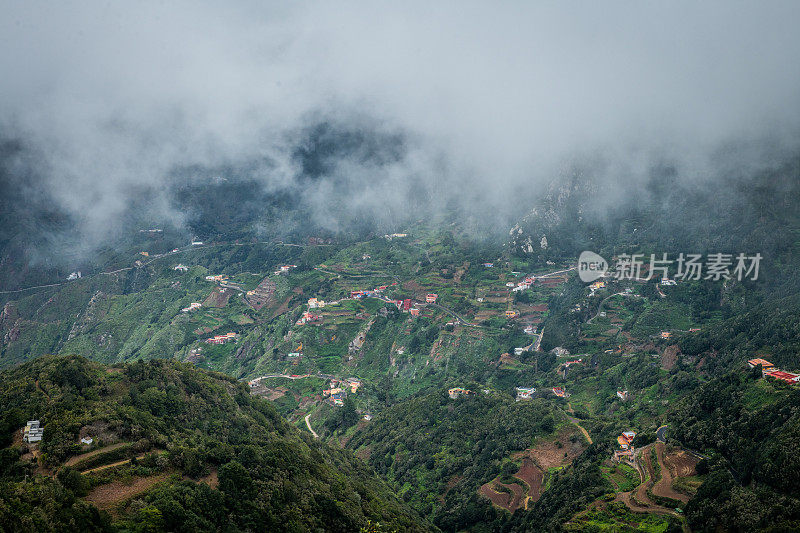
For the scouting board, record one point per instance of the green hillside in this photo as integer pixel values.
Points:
(174, 448)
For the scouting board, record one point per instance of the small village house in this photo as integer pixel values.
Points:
(33, 431)
(524, 393)
(788, 377)
(766, 366)
(458, 391)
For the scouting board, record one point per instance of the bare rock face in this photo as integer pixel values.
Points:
(8, 316)
(9, 323)
(13, 333)
(89, 316)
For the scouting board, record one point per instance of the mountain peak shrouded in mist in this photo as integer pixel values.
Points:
(459, 106)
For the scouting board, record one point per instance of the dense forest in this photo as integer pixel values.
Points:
(437, 451)
(179, 425)
(749, 427)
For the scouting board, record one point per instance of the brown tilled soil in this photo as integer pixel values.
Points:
(637, 500)
(531, 475)
(682, 463)
(110, 494)
(670, 357)
(664, 486)
(508, 360)
(218, 298)
(263, 294)
(535, 461)
(549, 455)
(503, 499)
(416, 288)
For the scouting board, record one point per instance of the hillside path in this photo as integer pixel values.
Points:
(78, 458)
(308, 425)
(577, 423)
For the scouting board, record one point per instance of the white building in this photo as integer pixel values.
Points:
(33, 431)
(524, 393)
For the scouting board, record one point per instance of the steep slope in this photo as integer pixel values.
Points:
(174, 448)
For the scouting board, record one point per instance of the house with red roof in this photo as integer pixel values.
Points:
(788, 377)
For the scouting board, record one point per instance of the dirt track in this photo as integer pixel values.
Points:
(503, 499)
(78, 458)
(637, 499)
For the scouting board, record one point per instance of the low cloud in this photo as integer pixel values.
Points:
(469, 106)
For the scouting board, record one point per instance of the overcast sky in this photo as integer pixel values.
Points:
(500, 95)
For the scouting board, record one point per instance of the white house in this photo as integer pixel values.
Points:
(524, 393)
(32, 432)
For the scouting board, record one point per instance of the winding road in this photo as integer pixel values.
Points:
(602, 303)
(308, 425)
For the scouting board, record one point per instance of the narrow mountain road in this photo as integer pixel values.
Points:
(32, 288)
(638, 500)
(454, 314)
(552, 273)
(308, 425)
(78, 458)
(602, 303)
(576, 422)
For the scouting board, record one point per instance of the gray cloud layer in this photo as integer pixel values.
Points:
(490, 98)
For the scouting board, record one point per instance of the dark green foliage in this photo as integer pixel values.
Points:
(271, 477)
(753, 428)
(432, 445)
